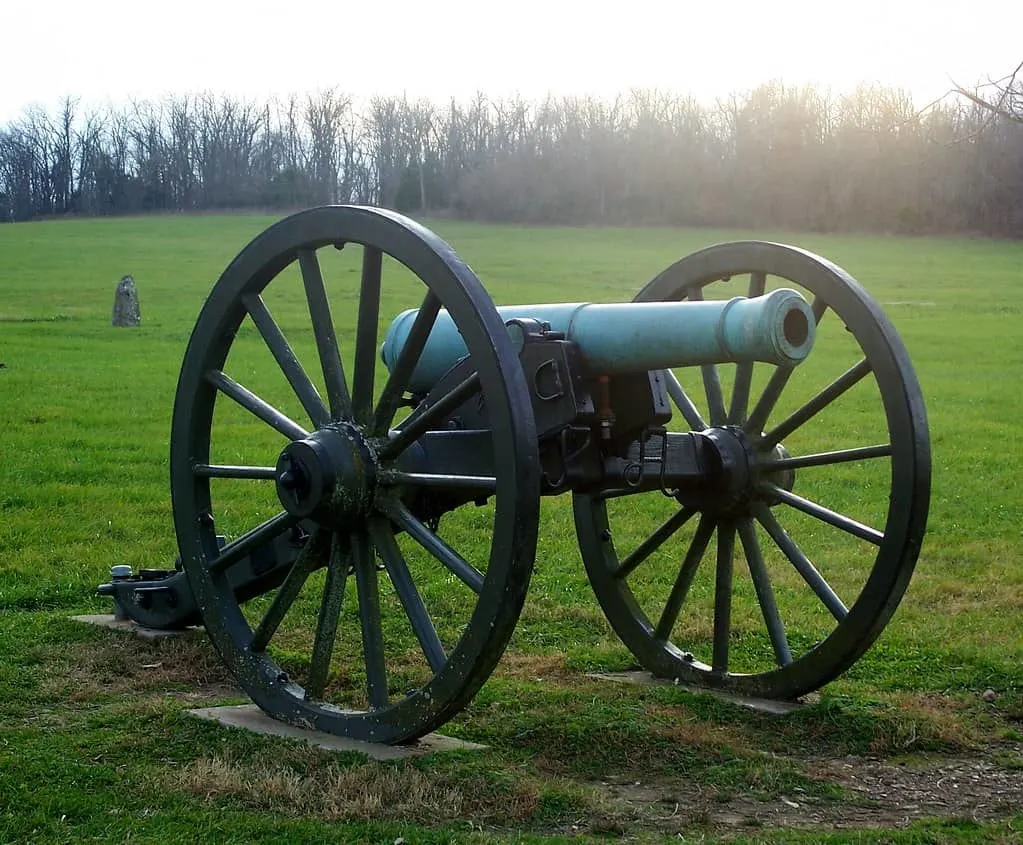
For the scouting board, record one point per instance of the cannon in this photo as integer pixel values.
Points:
(752, 405)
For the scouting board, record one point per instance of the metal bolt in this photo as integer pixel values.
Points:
(292, 477)
(121, 572)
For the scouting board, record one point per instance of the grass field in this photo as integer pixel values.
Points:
(94, 744)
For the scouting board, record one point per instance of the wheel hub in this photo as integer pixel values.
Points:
(737, 477)
(784, 478)
(329, 476)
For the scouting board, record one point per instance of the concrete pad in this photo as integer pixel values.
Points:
(761, 705)
(249, 717)
(108, 620)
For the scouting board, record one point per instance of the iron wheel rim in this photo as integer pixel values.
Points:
(897, 553)
(512, 549)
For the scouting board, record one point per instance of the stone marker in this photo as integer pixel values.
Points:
(126, 303)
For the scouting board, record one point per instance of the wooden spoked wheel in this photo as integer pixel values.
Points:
(778, 587)
(324, 454)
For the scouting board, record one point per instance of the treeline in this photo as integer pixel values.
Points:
(776, 156)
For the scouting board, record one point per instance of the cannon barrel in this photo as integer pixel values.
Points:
(777, 328)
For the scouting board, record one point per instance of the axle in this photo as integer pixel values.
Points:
(777, 328)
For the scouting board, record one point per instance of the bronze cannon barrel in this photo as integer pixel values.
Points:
(777, 328)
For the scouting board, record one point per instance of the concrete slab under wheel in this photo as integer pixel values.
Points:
(761, 705)
(249, 717)
(108, 620)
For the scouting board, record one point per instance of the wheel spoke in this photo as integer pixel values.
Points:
(287, 360)
(818, 403)
(821, 459)
(427, 414)
(405, 587)
(683, 402)
(801, 562)
(840, 521)
(326, 623)
(254, 405)
(326, 338)
(679, 591)
(464, 571)
(403, 368)
(744, 371)
(715, 397)
(228, 471)
(654, 541)
(482, 483)
(711, 379)
(757, 284)
(309, 559)
(765, 594)
(366, 334)
(723, 596)
(259, 536)
(768, 399)
(369, 618)
(776, 384)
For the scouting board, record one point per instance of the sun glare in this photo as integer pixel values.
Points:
(103, 51)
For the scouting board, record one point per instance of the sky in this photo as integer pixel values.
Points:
(109, 52)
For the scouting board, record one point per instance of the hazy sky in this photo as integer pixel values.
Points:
(108, 50)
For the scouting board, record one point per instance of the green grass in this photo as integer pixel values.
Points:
(95, 746)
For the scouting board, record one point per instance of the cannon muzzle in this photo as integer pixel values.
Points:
(777, 328)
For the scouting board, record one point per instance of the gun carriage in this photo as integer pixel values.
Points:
(421, 479)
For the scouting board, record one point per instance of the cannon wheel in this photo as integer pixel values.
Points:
(777, 525)
(363, 517)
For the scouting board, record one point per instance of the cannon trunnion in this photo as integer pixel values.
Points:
(745, 446)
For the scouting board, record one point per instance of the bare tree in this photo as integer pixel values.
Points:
(1002, 97)
(773, 156)
(324, 117)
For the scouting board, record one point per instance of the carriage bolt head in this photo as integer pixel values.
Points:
(120, 572)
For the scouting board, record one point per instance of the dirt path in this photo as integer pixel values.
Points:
(880, 794)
